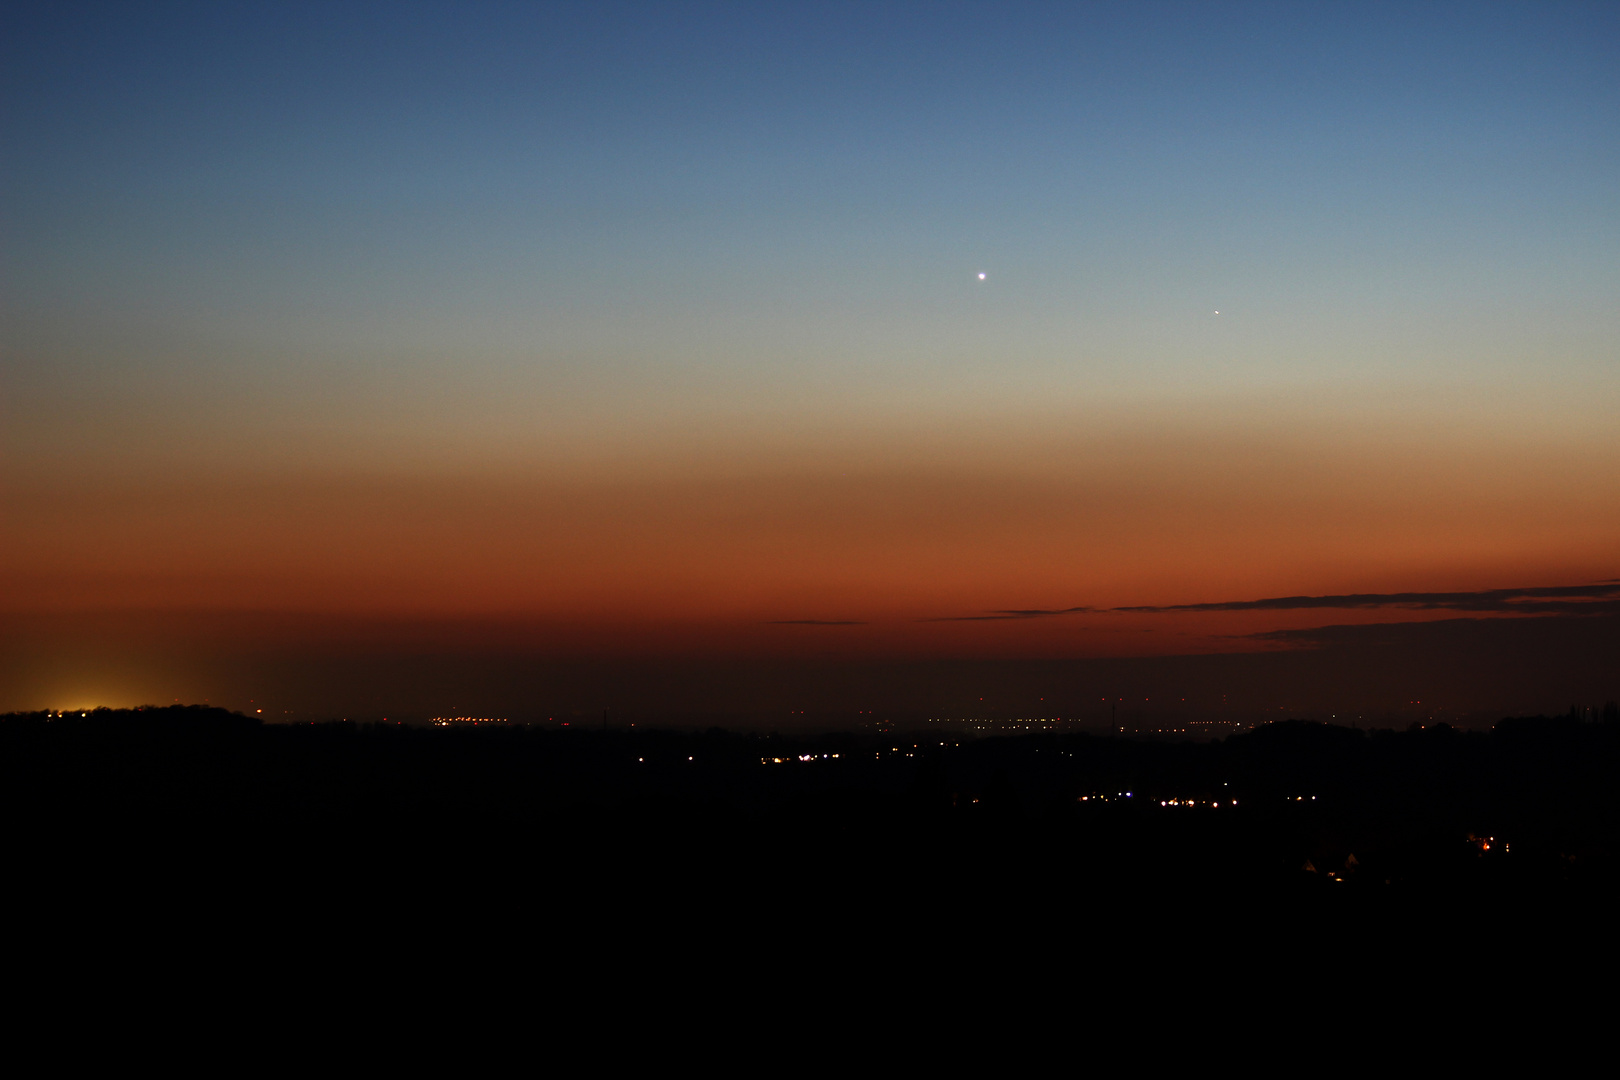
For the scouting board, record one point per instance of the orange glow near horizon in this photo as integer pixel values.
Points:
(868, 557)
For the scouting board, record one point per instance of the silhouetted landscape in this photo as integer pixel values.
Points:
(1290, 809)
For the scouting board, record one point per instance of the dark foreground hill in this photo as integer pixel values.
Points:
(1304, 812)
(643, 868)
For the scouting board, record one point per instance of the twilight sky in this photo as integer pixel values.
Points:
(658, 330)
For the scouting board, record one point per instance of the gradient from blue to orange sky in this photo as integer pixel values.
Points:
(659, 329)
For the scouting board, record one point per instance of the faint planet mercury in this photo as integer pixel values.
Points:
(981, 278)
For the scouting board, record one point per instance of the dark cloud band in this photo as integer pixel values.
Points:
(1013, 613)
(1541, 599)
(1600, 598)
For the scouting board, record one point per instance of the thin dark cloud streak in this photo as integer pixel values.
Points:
(1540, 599)
(1599, 598)
(1013, 613)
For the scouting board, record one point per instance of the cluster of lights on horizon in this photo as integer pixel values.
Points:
(984, 724)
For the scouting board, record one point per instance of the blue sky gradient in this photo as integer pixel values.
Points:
(752, 201)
